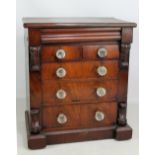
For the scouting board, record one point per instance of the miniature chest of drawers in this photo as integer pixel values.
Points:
(77, 77)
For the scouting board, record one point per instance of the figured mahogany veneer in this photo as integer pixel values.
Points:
(63, 38)
(77, 79)
(78, 52)
(78, 91)
(90, 51)
(82, 69)
(71, 53)
(79, 116)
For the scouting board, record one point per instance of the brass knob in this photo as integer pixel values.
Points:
(99, 116)
(101, 92)
(102, 70)
(61, 94)
(62, 118)
(60, 54)
(61, 72)
(102, 52)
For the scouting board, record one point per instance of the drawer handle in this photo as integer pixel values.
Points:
(99, 116)
(101, 92)
(61, 72)
(102, 70)
(61, 94)
(60, 54)
(62, 118)
(102, 52)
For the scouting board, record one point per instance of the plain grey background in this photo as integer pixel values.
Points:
(123, 9)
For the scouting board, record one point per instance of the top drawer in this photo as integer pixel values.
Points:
(61, 53)
(77, 52)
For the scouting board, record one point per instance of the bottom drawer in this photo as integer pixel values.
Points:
(79, 116)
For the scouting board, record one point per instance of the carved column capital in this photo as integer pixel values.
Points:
(127, 34)
(124, 56)
(34, 58)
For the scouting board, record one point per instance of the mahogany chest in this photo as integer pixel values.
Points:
(77, 78)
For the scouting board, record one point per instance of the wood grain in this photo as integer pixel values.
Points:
(48, 53)
(50, 115)
(78, 92)
(79, 70)
(35, 90)
(79, 116)
(75, 22)
(90, 51)
(80, 38)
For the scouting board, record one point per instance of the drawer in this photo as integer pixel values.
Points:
(61, 117)
(101, 51)
(79, 116)
(98, 115)
(84, 69)
(73, 92)
(60, 53)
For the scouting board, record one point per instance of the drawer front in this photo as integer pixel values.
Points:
(98, 115)
(79, 116)
(83, 69)
(101, 51)
(61, 117)
(60, 53)
(59, 92)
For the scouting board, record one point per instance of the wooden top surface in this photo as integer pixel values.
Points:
(75, 22)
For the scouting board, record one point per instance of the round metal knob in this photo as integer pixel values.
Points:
(61, 94)
(60, 54)
(102, 52)
(61, 72)
(62, 118)
(101, 92)
(99, 116)
(101, 70)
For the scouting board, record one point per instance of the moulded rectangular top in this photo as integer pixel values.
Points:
(75, 22)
